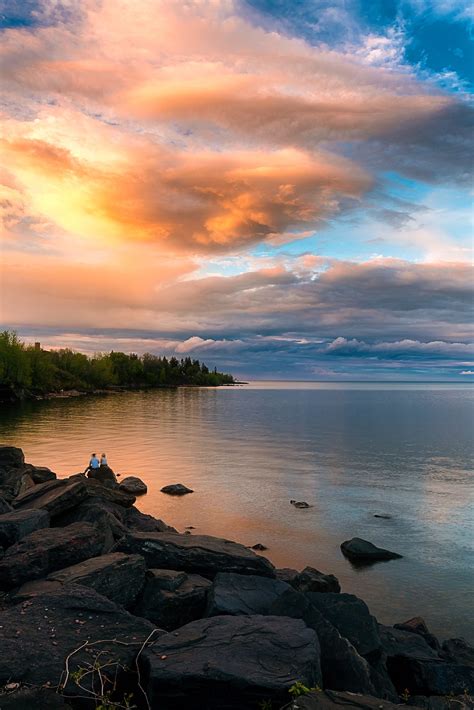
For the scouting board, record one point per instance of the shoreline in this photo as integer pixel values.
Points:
(182, 594)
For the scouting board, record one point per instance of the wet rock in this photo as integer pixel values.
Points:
(45, 551)
(16, 525)
(300, 504)
(360, 550)
(243, 594)
(384, 516)
(231, 662)
(458, 651)
(53, 498)
(117, 576)
(33, 699)
(137, 521)
(37, 636)
(343, 668)
(134, 485)
(418, 626)
(334, 700)
(199, 554)
(351, 617)
(176, 489)
(311, 580)
(171, 599)
(259, 547)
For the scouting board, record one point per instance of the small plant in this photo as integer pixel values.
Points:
(265, 705)
(300, 688)
(405, 695)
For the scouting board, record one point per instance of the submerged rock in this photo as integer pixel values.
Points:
(134, 485)
(199, 554)
(360, 550)
(176, 489)
(231, 662)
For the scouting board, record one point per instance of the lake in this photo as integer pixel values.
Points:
(350, 450)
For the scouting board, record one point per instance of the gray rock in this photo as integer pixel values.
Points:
(199, 554)
(117, 576)
(37, 636)
(55, 499)
(442, 702)
(243, 594)
(343, 668)
(300, 504)
(360, 550)
(176, 489)
(417, 625)
(458, 651)
(351, 617)
(135, 520)
(16, 525)
(231, 662)
(5, 507)
(134, 485)
(396, 642)
(311, 580)
(334, 700)
(28, 498)
(45, 551)
(171, 599)
(286, 574)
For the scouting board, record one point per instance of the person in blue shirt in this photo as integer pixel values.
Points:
(93, 463)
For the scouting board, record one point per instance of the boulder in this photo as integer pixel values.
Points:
(37, 636)
(134, 485)
(11, 456)
(359, 550)
(286, 574)
(343, 668)
(52, 498)
(199, 554)
(442, 702)
(351, 617)
(243, 594)
(111, 494)
(259, 547)
(16, 525)
(311, 580)
(458, 651)
(14, 481)
(103, 475)
(396, 642)
(116, 576)
(171, 599)
(45, 551)
(33, 699)
(334, 700)
(230, 662)
(300, 504)
(134, 519)
(176, 489)
(417, 625)
(40, 474)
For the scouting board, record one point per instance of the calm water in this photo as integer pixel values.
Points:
(350, 450)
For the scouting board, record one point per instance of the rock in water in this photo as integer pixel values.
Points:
(134, 485)
(176, 489)
(300, 504)
(44, 551)
(360, 550)
(243, 594)
(171, 599)
(116, 576)
(311, 580)
(16, 525)
(231, 662)
(198, 554)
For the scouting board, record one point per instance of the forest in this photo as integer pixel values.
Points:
(29, 370)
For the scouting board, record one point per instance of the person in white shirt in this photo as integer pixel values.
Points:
(103, 460)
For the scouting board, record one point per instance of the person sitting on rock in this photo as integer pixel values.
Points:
(93, 464)
(103, 460)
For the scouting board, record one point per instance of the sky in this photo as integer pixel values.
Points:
(281, 189)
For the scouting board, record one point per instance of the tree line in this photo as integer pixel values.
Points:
(30, 369)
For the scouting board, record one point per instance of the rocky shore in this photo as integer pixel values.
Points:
(102, 606)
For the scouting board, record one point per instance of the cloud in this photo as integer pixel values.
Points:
(467, 372)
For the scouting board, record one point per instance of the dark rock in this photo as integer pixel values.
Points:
(458, 651)
(134, 485)
(112, 494)
(343, 668)
(5, 507)
(300, 504)
(258, 547)
(171, 599)
(16, 525)
(137, 521)
(116, 576)
(45, 551)
(56, 500)
(11, 456)
(102, 514)
(103, 475)
(286, 574)
(311, 580)
(440, 702)
(360, 550)
(13, 481)
(418, 626)
(37, 636)
(334, 700)
(243, 594)
(200, 554)
(230, 662)
(176, 489)
(351, 617)
(40, 474)
(384, 516)
(33, 699)
(29, 498)
(396, 642)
